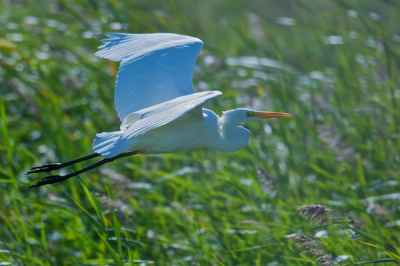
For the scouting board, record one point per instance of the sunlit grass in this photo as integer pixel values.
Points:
(333, 64)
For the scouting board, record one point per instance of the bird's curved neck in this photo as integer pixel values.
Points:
(233, 137)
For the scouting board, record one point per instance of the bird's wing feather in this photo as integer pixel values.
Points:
(164, 113)
(129, 120)
(155, 68)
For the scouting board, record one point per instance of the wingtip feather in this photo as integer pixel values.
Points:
(117, 34)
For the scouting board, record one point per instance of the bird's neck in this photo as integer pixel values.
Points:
(233, 137)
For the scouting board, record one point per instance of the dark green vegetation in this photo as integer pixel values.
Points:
(335, 65)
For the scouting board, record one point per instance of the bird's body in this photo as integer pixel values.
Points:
(157, 106)
(190, 131)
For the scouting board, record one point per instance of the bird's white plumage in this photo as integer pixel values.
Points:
(110, 144)
(153, 87)
(129, 120)
(163, 113)
(155, 68)
(156, 103)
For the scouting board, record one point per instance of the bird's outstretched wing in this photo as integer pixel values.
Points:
(164, 113)
(155, 68)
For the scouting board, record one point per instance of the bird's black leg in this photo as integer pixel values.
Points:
(57, 178)
(54, 166)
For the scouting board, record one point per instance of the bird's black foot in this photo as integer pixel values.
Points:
(54, 166)
(45, 168)
(47, 180)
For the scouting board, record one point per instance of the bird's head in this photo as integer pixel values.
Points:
(243, 115)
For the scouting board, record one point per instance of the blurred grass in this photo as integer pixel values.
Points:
(335, 67)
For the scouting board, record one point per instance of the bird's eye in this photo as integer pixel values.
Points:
(248, 113)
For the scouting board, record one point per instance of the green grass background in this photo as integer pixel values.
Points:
(333, 64)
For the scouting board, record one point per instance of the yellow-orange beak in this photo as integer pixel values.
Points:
(271, 114)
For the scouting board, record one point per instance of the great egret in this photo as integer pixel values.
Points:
(155, 100)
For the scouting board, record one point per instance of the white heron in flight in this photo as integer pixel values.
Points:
(156, 103)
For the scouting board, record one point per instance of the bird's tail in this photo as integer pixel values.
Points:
(110, 144)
